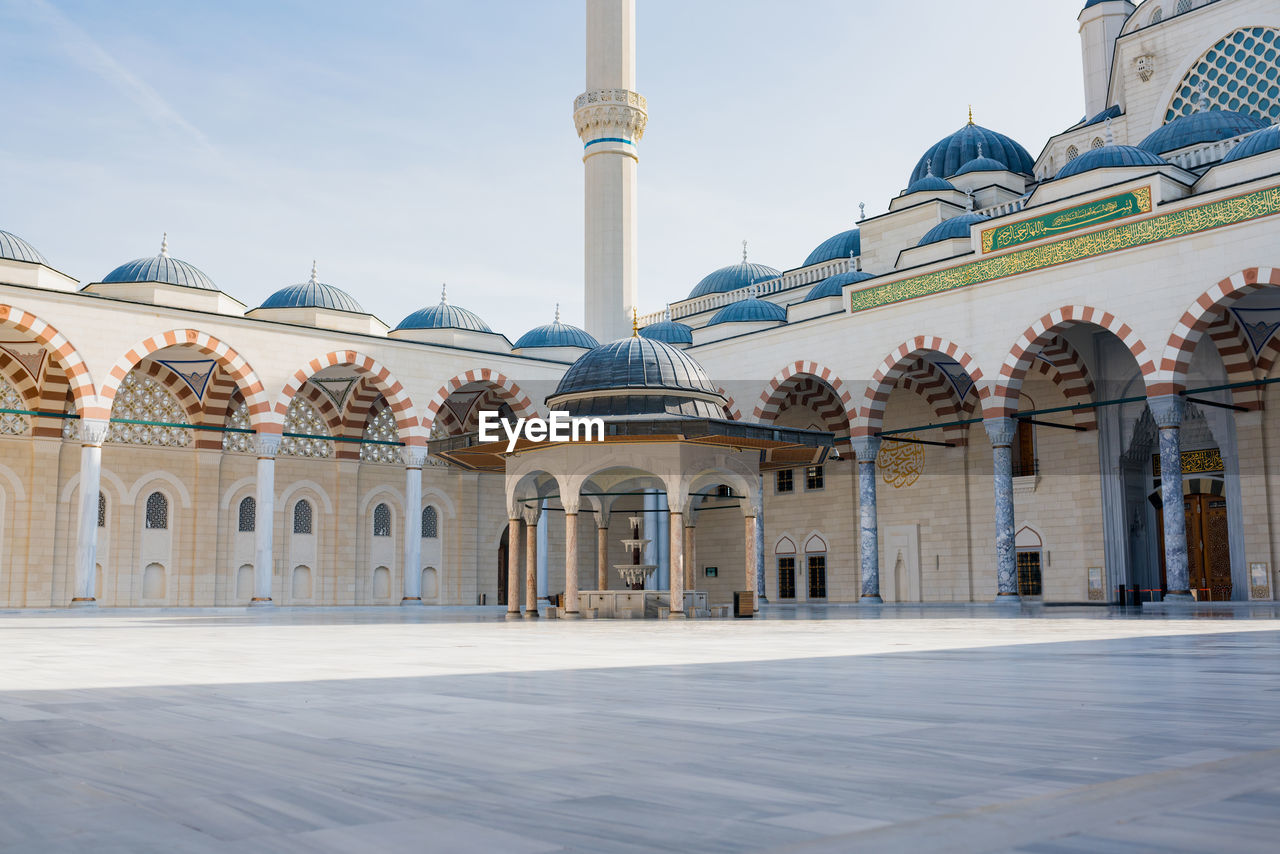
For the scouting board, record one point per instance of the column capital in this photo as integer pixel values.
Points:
(267, 445)
(530, 514)
(414, 456)
(1001, 431)
(1167, 409)
(866, 448)
(93, 431)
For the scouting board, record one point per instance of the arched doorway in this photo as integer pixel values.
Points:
(1208, 541)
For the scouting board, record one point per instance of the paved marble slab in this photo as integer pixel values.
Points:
(816, 729)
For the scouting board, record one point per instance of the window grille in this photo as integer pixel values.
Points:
(11, 424)
(102, 510)
(381, 428)
(303, 418)
(1029, 582)
(1238, 73)
(784, 481)
(1157, 16)
(249, 514)
(157, 511)
(1097, 143)
(1183, 6)
(1072, 153)
(817, 576)
(238, 443)
(814, 477)
(302, 517)
(430, 523)
(382, 521)
(786, 578)
(142, 398)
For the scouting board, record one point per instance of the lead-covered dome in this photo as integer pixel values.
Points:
(833, 286)
(161, 270)
(949, 229)
(946, 157)
(444, 316)
(556, 334)
(637, 377)
(14, 248)
(313, 294)
(1267, 139)
(734, 277)
(846, 244)
(750, 310)
(1110, 157)
(1200, 128)
(668, 332)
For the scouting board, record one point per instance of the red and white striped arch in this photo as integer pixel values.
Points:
(1032, 342)
(731, 410)
(1171, 378)
(61, 353)
(507, 389)
(410, 429)
(784, 384)
(927, 380)
(896, 365)
(246, 380)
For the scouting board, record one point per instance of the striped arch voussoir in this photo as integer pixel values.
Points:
(897, 364)
(61, 353)
(731, 408)
(407, 424)
(1198, 319)
(510, 392)
(775, 393)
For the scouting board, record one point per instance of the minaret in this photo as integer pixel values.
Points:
(610, 117)
(1100, 24)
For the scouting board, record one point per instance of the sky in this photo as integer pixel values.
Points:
(402, 145)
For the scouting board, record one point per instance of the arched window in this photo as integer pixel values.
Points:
(157, 511)
(815, 549)
(382, 521)
(303, 420)
(142, 398)
(430, 523)
(12, 424)
(1183, 6)
(302, 517)
(248, 514)
(1072, 153)
(102, 510)
(1238, 73)
(1097, 143)
(381, 428)
(1157, 16)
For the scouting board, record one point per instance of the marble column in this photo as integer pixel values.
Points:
(1001, 431)
(602, 555)
(513, 568)
(650, 531)
(93, 432)
(676, 541)
(266, 445)
(761, 589)
(543, 539)
(414, 458)
(1167, 411)
(571, 562)
(750, 542)
(530, 567)
(865, 450)
(661, 533)
(690, 555)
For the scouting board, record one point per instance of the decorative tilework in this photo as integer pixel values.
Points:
(1071, 219)
(1151, 230)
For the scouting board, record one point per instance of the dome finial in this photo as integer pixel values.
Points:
(979, 149)
(971, 114)
(635, 323)
(1111, 139)
(557, 312)
(744, 252)
(969, 194)
(164, 245)
(314, 276)
(444, 294)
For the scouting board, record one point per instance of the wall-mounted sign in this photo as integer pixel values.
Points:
(1096, 592)
(1061, 222)
(1193, 462)
(900, 463)
(1259, 583)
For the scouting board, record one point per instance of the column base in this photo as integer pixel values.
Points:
(531, 613)
(571, 615)
(873, 599)
(411, 600)
(514, 615)
(1008, 599)
(675, 615)
(86, 602)
(264, 602)
(1178, 596)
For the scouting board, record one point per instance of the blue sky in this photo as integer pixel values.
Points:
(405, 144)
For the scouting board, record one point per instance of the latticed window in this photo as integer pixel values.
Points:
(430, 523)
(1072, 153)
(1238, 73)
(302, 517)
(248, 514)
(817, 576)
(1157, 16)
(381, 428)
(102, 510)
(157, 511)
(814, 477)
(142, 398)
(786, 578)
(382, 521)
(1183, 6)
(1029, 583)
(238, 443)
(12, 424)
(784, 481)
(1097, 143)
(303, 418)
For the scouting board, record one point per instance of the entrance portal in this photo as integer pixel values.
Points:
(1208, 552)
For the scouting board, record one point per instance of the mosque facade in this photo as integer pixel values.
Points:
(1033, 377)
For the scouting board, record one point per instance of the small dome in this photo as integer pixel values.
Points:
(1199, 128)
(832, 286)
(161, 270)
(957, 226)
(444, 316)
(929, 184)
(950, 153)
(1112, 112)
(846, 244)
(733, 277)
(982, 164)
(1110, 157)
(556, 334)
(668, 332)
(750, 310)
(14, 248)
(647, 377)
(313, 294)
(1261, 142)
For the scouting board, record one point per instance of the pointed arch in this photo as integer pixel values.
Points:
(511, 394)
(775, 393)
(732, 412)
(61, 352)
(899, 362)
(411, 432)
(943, 396)
(245, 378)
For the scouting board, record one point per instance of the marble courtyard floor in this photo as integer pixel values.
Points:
(823, 730)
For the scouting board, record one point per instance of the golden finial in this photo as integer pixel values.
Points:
(635, 323)
(971, 114)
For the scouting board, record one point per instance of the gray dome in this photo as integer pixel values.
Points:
(1267, 139)
(668, 332)
(1111, 157)
(734, 277)
(750, 310)
(950, 153)
(833, 286)
(846, 244)
(14, 248)
(313, 294)
(637, 376)
(161, 270)
(1199, 128)
(556, 334)
(444, 316)
(949, 229)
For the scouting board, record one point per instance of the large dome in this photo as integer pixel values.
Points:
(444, 316)
(1200, 128)
(313, 294)
(948, 155)
(846, 244)
(639, 377)
(1110, 157)
(14, 248)
(732, 278)
(161, 270)
(556, 334)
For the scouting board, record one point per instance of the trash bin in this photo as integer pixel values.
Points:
(744, 603)
(1121, 596)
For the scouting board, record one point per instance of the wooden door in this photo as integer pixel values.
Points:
(1208, 547)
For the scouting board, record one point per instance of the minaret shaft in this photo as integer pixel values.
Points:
(610, 118)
